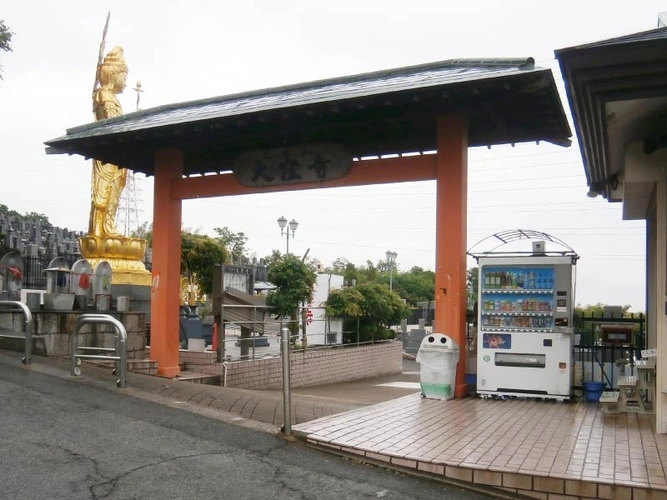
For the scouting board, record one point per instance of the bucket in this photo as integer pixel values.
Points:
(593, 390)
(471, 384)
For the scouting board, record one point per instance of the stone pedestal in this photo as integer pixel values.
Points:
(52, 331)
(139, 297)
(124, 255)
(59, 301)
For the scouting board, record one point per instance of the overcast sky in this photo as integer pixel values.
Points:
(182, 51)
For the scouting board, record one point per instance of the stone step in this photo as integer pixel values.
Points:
(148, 366)
(199, 378)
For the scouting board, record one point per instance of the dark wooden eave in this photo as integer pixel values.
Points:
(373, 114)
(620, 69)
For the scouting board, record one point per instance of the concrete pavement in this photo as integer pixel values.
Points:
(253, 408)
(71, 438)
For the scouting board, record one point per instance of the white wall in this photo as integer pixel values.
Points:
(317, 330)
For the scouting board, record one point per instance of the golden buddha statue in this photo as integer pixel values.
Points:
(103, 241)
(108, 180)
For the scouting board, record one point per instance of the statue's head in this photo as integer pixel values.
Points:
(112, 72)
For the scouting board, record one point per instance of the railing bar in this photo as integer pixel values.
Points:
(121, 345)
(97, 356)
(13, 305)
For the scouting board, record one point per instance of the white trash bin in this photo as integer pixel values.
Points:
(438, 356)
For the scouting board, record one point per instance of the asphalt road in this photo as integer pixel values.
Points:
(63, 439)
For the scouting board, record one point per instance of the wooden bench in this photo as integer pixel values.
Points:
(630, 399)
(609, 401)
(646, 373)
(627, 381)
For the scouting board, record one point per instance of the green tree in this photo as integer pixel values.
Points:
(342, 267)
(345, 303)
(338, 266)
(235, 243)
(472, 279)
(370, 273)
(472, 285)
(370, 306)
(5, 40)
(294, 281)
(144, 232)
(275, 256)
(596, 309)
(415, 286)
(10, 213)
(199, 253)
(589, 330)
(36, 217)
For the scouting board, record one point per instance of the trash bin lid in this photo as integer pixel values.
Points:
(438, 341)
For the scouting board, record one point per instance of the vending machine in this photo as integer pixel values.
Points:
(525, 331)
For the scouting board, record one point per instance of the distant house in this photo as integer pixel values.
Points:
(320, 329)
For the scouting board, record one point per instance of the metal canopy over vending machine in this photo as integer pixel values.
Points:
(525, 332)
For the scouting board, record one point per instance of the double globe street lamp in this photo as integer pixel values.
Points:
(391, 259)
(284, 230)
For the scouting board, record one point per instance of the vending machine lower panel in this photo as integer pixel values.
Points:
(527, 364)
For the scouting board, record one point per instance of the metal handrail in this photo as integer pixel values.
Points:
(120, 350)
(28, 334)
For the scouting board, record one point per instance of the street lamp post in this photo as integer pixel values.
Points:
(284, 230)
(391, 258)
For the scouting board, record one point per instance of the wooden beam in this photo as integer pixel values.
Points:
(363, 173)
(450, 239)
(166, 263)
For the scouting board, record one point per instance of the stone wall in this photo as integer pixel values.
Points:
(52, 332)
(309, 368)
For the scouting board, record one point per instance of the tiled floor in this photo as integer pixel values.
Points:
(505, 443)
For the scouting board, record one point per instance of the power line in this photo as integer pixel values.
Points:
(526, 155)
(520, 167)
(525, 179)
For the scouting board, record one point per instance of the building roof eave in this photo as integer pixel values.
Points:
(379, 113)
(620, 69)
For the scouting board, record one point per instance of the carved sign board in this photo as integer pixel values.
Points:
(292, 165)
(238, 277)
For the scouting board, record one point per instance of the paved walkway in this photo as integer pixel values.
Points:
(541, 449)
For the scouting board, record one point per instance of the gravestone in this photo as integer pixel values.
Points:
(58, 276)
(11, 276)
(102, 286)
(81, 283)
(58, 296)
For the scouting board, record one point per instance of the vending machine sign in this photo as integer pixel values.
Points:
(497, 341)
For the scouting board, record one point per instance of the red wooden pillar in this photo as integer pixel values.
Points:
(451, 232)
(166, 263)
